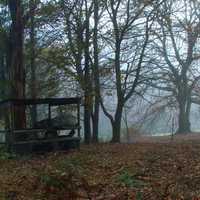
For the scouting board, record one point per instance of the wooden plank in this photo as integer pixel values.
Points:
(60, 138)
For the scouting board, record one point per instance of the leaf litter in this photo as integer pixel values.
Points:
(168, 171)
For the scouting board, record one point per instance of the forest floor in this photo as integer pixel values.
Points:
(143, 170)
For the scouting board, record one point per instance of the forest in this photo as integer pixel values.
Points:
(128, 60)
(111, 53)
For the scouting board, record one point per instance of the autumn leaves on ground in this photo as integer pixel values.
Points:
(122, 171)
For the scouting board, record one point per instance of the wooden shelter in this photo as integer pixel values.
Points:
(50, 124)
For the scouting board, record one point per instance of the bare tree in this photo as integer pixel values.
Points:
(78, 33)
(96, 77)
(128, 23)
(175, 44)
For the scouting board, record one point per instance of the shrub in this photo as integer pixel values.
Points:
(128, 180)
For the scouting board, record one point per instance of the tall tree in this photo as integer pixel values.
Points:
(77, 17)
(123, 19)
(16, 63)
(87, 77)
(3, 57)
(33, 88)
(177, 32)
(96, 73)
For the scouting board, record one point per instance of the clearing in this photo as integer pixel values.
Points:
(148, 170)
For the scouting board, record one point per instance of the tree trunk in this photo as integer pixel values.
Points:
(96, 75)
(87, 84)
(16, 65)
(116, 130)
(116, 125)
(87, 124)
(126, 124)
(4, 89)
(33, 88)
(184, 121)
(184, 101)
(95, 136)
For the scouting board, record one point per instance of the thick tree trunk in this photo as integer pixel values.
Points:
(87, 124)
(16, 65)
(184, 102)
(116, 131)
(4, 90)
(184, 121)
(116, 125)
